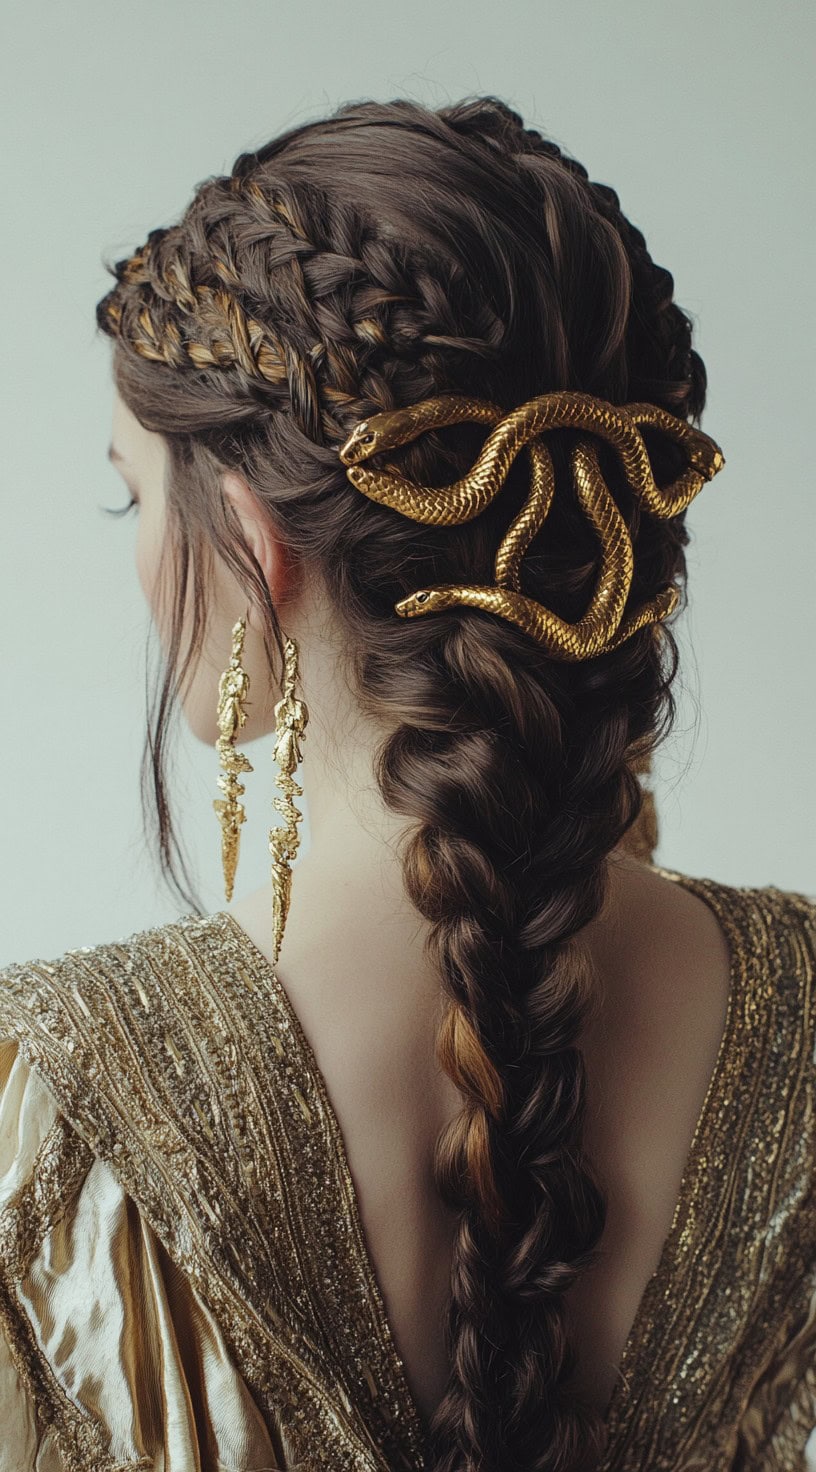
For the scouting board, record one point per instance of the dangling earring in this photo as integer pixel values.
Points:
(291, 716)
(233, 688)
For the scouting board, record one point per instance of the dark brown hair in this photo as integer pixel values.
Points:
(365, 262)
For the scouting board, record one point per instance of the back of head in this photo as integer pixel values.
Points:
(363, 263)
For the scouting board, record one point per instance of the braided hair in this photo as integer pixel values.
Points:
(365, 262)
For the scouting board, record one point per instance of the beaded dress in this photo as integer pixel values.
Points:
(184, 1280)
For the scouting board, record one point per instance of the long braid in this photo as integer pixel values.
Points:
(506, 885)
(256, 333)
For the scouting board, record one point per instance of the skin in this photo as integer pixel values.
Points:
(352, 964)
(341, 813)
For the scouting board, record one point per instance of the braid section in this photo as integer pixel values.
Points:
(508, 876)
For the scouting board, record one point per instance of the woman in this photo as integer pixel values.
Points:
(473, 1141)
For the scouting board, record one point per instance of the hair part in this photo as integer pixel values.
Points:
(363, 262)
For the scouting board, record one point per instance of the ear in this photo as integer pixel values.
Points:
(261, 536)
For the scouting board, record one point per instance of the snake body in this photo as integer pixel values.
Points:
(600, 628)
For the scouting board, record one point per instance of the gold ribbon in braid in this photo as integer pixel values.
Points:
(602, 627)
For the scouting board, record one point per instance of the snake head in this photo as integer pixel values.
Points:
(361, 443)
(425, 600)
(706, 457)
(387, 430)
(703, 453)
(393, 427)
(380, 432)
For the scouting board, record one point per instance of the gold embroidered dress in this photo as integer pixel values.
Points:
(184, 1280)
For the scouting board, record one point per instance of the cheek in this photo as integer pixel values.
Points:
(143, 569)
(199, 700)
(200, 705)
(148, 550)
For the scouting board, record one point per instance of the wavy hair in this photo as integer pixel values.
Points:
(364, 262)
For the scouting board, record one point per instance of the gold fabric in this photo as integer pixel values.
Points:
(184, 1280)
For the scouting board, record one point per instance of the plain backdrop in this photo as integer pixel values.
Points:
(700, 115)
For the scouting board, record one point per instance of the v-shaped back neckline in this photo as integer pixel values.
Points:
(665, 1280)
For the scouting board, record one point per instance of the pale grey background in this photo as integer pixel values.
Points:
(700, 115)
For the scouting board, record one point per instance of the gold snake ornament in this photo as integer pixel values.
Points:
(602, 626)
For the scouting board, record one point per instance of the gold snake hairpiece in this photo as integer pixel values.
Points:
(602, 627)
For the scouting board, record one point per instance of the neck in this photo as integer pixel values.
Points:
(347, 896)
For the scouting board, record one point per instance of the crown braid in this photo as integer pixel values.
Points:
(257, 332)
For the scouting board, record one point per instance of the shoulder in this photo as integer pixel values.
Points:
(779, 923)
(778, 913)
(771, 932)
(54, 1013)
(97, 1022)
(84, 1267)
(152, 1044)
(113, 958)
(40, 1154)
(777, 928)
(780, 926)
(85, 987)
(771, 936)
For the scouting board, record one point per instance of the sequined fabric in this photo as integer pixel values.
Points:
(184, 1280)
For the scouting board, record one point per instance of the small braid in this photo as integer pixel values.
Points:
(365, 262)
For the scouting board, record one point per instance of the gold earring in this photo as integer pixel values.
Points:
(291, 716)
(233, 688)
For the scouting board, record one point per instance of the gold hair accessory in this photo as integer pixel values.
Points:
(233, 688)
(602, 626)
(291, 716)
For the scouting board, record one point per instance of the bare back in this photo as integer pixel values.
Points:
(369, 1008)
